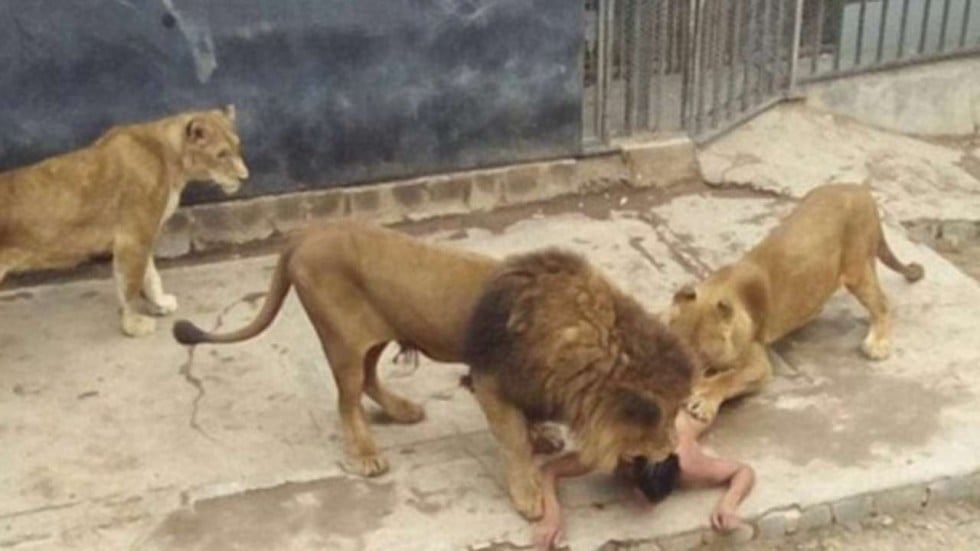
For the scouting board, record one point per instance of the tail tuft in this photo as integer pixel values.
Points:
(187, 333)
(913, 272)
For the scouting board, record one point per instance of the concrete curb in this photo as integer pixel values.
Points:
(212, 227)
(851, 510)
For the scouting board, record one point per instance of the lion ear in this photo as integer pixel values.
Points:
(725, 308)
(229, 111)
(687, 293)
(195, 131)
(637, 407)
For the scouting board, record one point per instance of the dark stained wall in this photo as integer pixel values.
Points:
(329, 92)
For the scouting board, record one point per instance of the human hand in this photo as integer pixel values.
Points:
(547, 532)
(725, 520)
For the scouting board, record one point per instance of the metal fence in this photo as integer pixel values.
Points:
(840, 37)
(702, 66)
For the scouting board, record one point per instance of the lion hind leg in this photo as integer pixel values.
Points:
(398, 408)
(346, 357)
(509, 426)
(867, 289)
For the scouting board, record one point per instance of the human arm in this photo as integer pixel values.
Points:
(548, 529)
(698, 469)
(725, 516)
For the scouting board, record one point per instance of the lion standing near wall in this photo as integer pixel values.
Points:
(114, 196)
(552, 339)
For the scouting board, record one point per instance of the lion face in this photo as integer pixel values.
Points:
(629, 425)
(713, 324)
(212, 149)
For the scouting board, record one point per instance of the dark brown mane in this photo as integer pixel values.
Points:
(563, 343)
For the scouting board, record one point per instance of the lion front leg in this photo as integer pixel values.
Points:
(509, 426)
(711, 392)
(161, 303)
(130, 256)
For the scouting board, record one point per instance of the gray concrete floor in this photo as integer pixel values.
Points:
(114, 443)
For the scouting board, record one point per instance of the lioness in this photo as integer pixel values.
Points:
(831, 239)
(115, 195)
(552, 339)
(363, 287)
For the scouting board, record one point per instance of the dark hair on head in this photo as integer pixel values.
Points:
(657, 480)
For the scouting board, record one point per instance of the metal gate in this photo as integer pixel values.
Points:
(703, 66)
(697, 66)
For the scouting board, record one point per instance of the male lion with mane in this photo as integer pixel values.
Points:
(832, 238)
(114, 196)
(552, 339)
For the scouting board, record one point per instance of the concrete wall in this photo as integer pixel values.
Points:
(941, 98)
(329, 92)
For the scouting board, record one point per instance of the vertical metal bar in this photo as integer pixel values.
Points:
(881, 31)
(747, 53)
(702, 57)
(925, 26)
(602, 70)
(817, 38)
(966, 20)
(784, 49)
(734, 28)
(662, 60)
(839, 4)
(716, 61)
(794, 56)
(692, 50)
(683, 28)
(765, 71)
(644, 40)
(942, 26)
(902, 26)
(625, 35)
(860, 33)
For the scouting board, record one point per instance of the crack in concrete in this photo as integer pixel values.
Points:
(188, 375)
(186, 369)
(27, 538)
(44, 509)
(682, 254)
(637, 244)
(755, 189)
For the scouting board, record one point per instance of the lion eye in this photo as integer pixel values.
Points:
(224, 154)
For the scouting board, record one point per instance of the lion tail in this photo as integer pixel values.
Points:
(913, 271)
(187, 333)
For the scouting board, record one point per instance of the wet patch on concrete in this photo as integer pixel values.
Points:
(19, 295)
(958, 241)
(252, 299)
(329, 510)
(849, 410)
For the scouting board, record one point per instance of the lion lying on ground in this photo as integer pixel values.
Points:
(831, 239)
(552, 339)
(114, 196)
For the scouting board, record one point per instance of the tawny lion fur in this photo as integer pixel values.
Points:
(831, 239)
(552, 339)
(363, 287)
(113, 196)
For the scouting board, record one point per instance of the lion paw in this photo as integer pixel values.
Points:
(137, 325)
(527, 497)
(702, 408)
(876, 349)
(165, 304)
(405, 412)
(369, 465)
